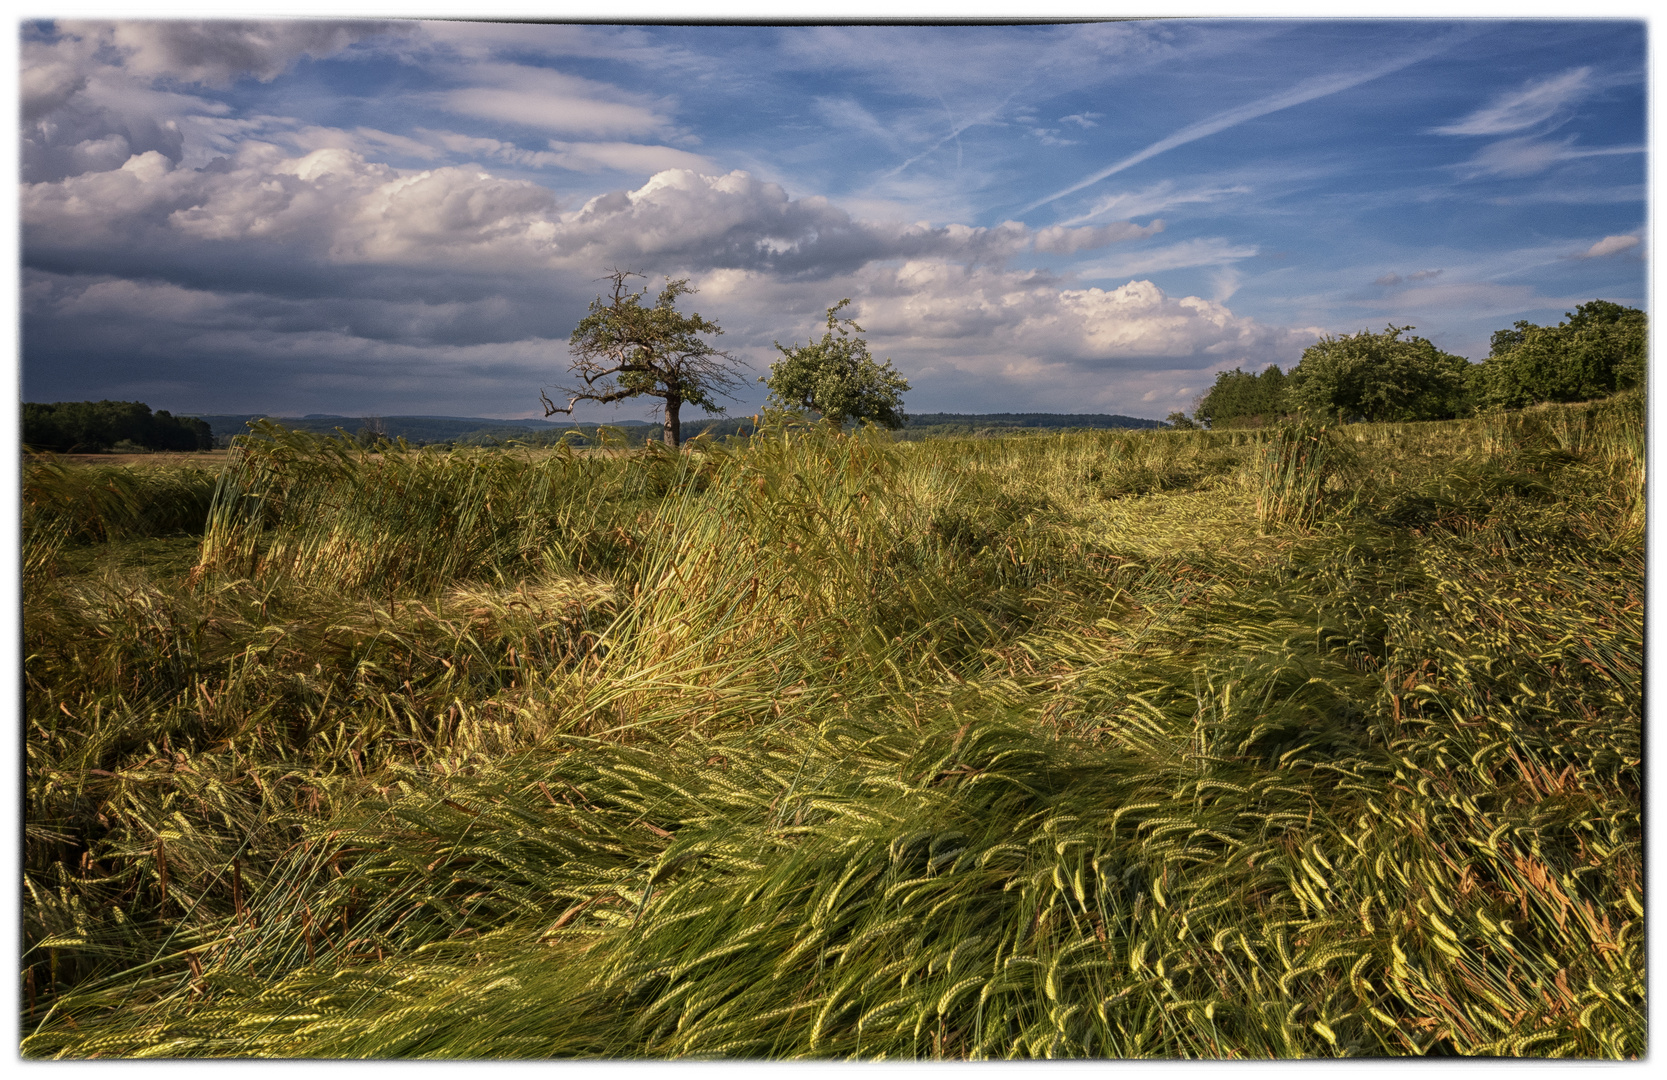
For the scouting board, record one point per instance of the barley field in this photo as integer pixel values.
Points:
(1275, 743)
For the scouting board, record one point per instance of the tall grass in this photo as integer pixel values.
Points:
(1255, 744)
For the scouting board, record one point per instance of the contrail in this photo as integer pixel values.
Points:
(1307, 90)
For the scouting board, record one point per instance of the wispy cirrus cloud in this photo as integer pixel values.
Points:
(1512, 158)
(1538, 102)
(1390, 280)
(1609, 245)
(585, 157)
(1307, 90)
(1203, 251)
(1154, 199)
(550, 100)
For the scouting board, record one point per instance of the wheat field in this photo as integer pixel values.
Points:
(1276, 743)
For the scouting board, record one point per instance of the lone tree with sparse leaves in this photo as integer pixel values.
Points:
(838, 378)
(622, 349)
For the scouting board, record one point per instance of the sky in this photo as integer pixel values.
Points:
(410, 217)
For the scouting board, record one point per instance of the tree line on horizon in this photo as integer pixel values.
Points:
(64, 427)
(624, 350)
(1599, 349)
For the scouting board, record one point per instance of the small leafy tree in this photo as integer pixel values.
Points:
(623, 349)
(1598, 350)
(1239, 396)
(838, 378)
(1379, 377)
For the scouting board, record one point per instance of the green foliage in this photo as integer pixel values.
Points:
(94, 426)
(1379, 377)
(1600, 349)
(838, 378)
(821, 745)
(1237, 398)
(623, 350)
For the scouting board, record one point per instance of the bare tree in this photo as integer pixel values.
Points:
(622, 349)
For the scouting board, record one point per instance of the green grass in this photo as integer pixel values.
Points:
(1266, 743)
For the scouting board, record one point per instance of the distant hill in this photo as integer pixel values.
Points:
(1030, 420)
(422, 430)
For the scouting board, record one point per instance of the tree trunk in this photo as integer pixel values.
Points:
(674, 427)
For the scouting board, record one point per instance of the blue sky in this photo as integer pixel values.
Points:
(410, 217)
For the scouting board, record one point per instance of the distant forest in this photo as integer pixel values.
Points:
(96, 426)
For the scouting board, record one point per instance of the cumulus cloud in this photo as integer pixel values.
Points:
(214, 244)
(224, 259)
(218, 53)
(329, 204)
(335, 205)
(1538, 102)
(1011, 316)
(1609, 245)
(47, 85)
(80, 114)
(969, 336)
(90, 90)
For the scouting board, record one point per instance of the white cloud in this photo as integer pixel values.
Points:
(1061, 240)
(330, 203)
(1391, 280)
(1536, 103)
(1513, 158)
(1050, 137)
(1476, 297)
(941, 299)
(1300, 93)
(626, 157)
(991, 318)
(217, 53)
(550, 100)
(584, 157)
(972, 337)
(1609, 245)
(1225, 282)
(1203, 251)
(46, 85)
(1154, 199)
(850, 115)
(1526, 156)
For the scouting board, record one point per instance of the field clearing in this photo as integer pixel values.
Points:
(1262, 743)
(204, 459)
